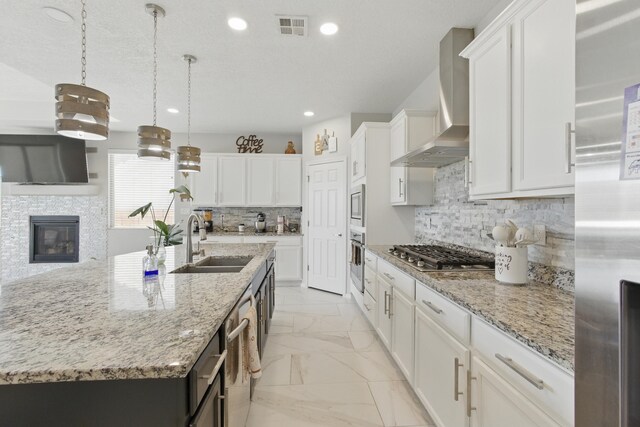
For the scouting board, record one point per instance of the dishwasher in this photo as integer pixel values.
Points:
(237, 394)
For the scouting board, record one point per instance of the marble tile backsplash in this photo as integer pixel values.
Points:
(454, 219)
(247, 216)
(14, 229)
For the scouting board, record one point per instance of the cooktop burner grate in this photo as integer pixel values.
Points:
(441, 258)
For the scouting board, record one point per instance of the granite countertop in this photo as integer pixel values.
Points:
(98, 321)
(538, 315)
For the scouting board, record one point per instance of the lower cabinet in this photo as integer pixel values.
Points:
(495, 403)
(288, 263)
(402, 309)
(440, 377)
(383, 312)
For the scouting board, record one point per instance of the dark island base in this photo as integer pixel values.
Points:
(96, 403)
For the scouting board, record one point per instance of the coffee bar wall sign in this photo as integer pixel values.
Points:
(249, 144)
(326, 143)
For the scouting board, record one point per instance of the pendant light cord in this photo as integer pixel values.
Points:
(84, 44)
(155, 65)
(189, 104)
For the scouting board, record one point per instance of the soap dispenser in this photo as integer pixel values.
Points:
(150, 263)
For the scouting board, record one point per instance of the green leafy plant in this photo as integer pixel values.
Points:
(169, 234)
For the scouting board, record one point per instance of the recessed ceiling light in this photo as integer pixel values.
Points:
(173, 110)
(328, 29)
(57, 14)
(309, 113)
(237, 24)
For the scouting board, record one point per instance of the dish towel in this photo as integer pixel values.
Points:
(252, 367)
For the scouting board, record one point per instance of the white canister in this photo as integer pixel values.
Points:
(512, 265)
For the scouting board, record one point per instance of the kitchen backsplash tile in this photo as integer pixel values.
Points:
(247, 216)
(14, 229)
(454, 219)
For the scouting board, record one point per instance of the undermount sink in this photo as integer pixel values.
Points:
(213, 264)
(224, 261)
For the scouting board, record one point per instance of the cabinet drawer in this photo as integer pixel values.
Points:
(371, 261)
(397, 279)
(370, 307)
(278, 240)
(514, 362)
(453, 318)
(370, 281)
(204, 372)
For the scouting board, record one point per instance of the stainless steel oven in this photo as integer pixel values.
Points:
(357, 205)
(356, 263)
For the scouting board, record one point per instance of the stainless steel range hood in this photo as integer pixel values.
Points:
(452, 144)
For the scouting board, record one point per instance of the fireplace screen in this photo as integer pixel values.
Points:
(54, 239)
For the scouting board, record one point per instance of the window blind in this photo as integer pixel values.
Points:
(134, 182)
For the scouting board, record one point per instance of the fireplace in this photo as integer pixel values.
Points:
(54, 239)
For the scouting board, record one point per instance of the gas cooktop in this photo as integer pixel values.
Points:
(439, 258)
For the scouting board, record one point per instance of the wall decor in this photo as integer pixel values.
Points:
(332, 142)
(249, 145)
(291, 149)
(318, 145)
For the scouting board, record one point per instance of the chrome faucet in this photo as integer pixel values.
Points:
(203, 236)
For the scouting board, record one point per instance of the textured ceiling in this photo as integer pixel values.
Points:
(255, 80)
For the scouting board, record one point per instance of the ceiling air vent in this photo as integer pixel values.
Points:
(292, 25)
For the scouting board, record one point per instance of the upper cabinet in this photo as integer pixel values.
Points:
(260, 179)
(522, 87)
(204, 184)
(231, 181)
(410, 129)
(358, 155)
(248, 180)
(288, 181)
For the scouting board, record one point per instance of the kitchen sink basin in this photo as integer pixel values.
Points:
(215, 264)
(194, 269)
(218, 261)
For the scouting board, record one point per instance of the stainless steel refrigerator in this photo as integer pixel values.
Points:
(607, 214)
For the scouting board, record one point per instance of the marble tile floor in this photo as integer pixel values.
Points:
(324, 366)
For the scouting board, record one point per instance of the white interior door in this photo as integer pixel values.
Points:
(327, 257)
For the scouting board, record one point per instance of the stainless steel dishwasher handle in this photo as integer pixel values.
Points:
(214, 373)
(244, 323)
(536, 382)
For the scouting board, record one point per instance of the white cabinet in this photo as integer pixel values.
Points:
(544, 94)
(441, 366)
(383, 301)
(231, 181)
(522, 97)
(260, 181)
(402, 338)
(358, 155)
(204, 184)
(288, 181)
(497, 404)
(288, 263)
(490, 120)
(410, 129)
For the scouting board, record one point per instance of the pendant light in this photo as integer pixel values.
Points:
(82, 112)
(188, 155)
(154, 142)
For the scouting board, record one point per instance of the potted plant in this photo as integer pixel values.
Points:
(164, 234)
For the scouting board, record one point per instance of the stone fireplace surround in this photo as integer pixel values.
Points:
(15, 230)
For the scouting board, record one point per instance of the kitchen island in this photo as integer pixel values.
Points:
(98, 327)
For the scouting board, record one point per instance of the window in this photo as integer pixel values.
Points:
(134, 182)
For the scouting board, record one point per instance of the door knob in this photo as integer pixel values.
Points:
(339, 235)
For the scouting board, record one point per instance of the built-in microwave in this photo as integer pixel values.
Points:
(357, 205)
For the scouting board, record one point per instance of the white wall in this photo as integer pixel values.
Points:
(425, 96)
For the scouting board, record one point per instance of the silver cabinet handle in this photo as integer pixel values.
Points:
(214, 373)
(399, 187)
(536, 382)
(390, 277)
(456, 366)
(431, 306)
(386, 306)
(469, 407)
(390, 305)
(467, 172)
(567, 141)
